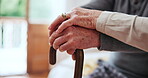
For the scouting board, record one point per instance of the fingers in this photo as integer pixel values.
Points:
(58, 21)
(53, 37)
(82, 21)
(65, 25)
(51, 31)
(71, 51)
(66, 46)
(79, 16)
(59, 41)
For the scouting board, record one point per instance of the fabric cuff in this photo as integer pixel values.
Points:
(101, 21)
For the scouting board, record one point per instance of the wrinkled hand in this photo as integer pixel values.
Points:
(81, 17)
(73, 38)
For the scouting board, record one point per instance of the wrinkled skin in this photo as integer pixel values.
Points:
(77, 31)
(74, 38)
(81, 17)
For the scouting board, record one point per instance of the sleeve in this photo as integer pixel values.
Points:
(107, 42)
(100, 5)
(129, 29)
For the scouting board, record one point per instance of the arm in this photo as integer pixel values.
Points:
(107, 42)
(88, 19)
(128, 29)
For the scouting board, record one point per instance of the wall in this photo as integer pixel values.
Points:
(61, 6)
(75, 3)
(38, 48)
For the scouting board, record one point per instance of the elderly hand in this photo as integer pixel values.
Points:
(81, 17)
(73, 38)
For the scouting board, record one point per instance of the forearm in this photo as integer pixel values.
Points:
(129, 29)
(107, 42)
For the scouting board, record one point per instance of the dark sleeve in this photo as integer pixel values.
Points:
(111, 44)
(104, 5)
(107, 42)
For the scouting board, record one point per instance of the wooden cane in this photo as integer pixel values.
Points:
(78, 64)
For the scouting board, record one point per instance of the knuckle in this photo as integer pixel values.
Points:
(54, 33)
(71, 34)
(69, 22)
(50, 39)
(64, 23)
(69, 45)
(75, 8)
(76, 12)
(72, 42)
(68, 36)
(53, 37)
(65, 47)
(76, 17)
(69, 30)
(54, 46)
(59, 41)
(56, 42)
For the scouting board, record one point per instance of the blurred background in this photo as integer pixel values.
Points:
(24, 38)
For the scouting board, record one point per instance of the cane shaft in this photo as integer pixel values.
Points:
(78, 64)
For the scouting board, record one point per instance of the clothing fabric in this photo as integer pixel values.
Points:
(131, 60)
(124, 27)
(105, 70)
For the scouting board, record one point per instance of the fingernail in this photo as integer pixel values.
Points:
(61, 50)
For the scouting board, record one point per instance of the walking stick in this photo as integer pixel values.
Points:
(78, 64)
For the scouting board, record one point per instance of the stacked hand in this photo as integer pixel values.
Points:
(75, 31)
